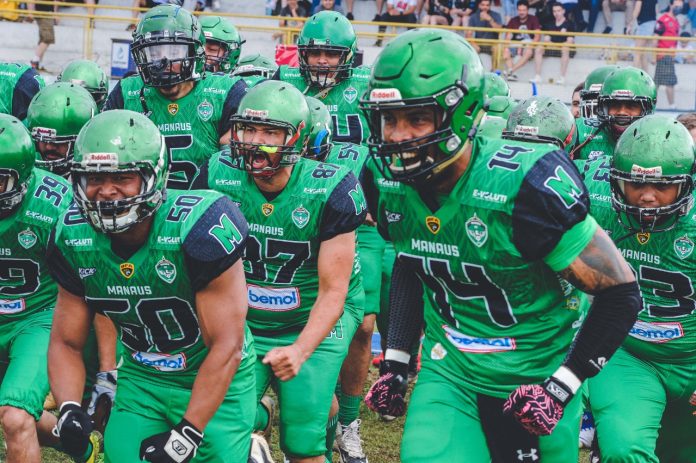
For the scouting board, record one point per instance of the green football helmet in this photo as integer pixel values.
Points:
(590, 92)
(331, 32)
(120, 141)
(220, 31)
(55, 116)
(541, 119)
(625, 85)
(89, 75)
(16, 162)
(281, 106)
(321, 130)
(168, 47)
(255, 65)
(654, 149)
(495, 85)
(411, 73)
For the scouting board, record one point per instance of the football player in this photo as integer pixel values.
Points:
(541, 119)
(627, 94)
(326, 46)
(223, 45)
(303, 283)
(18, 85)
(190, 109)
(89, 75)
(500, 242)
(255, 68)
(643, 197)
(589, 95)
(165, 267)
(31, 203)
(55, 117)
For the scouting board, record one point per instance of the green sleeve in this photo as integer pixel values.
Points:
(571, 244)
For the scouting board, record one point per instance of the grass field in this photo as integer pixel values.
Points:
(381, 439)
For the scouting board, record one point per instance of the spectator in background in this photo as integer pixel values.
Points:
(292, 9)
(667, 26)
(438, 13)
(484, 17)
(574, 14)
(691, 15)
(509, 9)
(461, 12)
(398, 11)
(559, 24)
(47, 34)
(608, 6)
(328, 5)
(575, 100)
(689, 121)
(685, 51)
(642, 23)
(523, 23)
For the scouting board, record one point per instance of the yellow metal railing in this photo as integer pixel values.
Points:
(288, 34)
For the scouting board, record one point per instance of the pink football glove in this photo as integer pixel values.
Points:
(539, 408)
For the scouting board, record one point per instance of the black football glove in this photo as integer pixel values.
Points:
(73, 428)
(176, 446)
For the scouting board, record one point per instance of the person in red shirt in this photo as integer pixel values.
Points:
(667, 26)
(523, 22)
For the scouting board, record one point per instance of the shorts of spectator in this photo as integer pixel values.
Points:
(46, 30)
(398, 11)
(665, 73)
(461, 12)
(438, 13)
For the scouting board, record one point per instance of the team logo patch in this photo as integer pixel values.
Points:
(173, 108)
(438, 352)
(350, 94)
(166, 270)
(267, 209)
(127, 269)
(26, 238)
(683, 247)
(643, 238)
(205, 110)
(477, 231)
(532, 108)
(300, 217)
(433, 224)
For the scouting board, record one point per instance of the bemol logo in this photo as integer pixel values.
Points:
(8, 306)
(656, 332)
(273, 299)
(466, 343)
(161, 362)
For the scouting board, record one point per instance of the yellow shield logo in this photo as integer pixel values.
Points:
(173, 108)
(643, 238)
(267, 209)
(433, 224)
(127, 269)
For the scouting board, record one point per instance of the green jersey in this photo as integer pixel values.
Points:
(150, 295)
(18, 85)
(319, 202)
(665, 267)
(489, 258)
(26, 286)
(192, 125)
(491, 127)
(341, 101)
(602, 144)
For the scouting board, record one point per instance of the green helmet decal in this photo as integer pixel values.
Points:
(278, 105)
(321, 130)
(255, 65)
(411, 73)
(168, 47)
(654, 149)
(590, 92)
(625, 85)
(332, 33)
(120, 141)
(89, 75)
(16, 162)
(541, 119)
(495, 85)
(55, 116)
(220, 31)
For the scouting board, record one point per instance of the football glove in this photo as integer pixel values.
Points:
(73, 428)
(388, 395)
(539, 408)
(176, 446)
(105, 386)
(692, 400)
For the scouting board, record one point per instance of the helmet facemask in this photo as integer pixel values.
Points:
(165, 60)
(220, 62)
(619, 123)
(325, 76)
(61, 165)
(14, 191)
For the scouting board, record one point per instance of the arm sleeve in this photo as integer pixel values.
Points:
(659, 27)
(551, 201)
(61, 271)
(115, 98)
(405, 308)
(27, 86)
(345, 210)
(200, 181)
(234, 96)
(215, 242)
